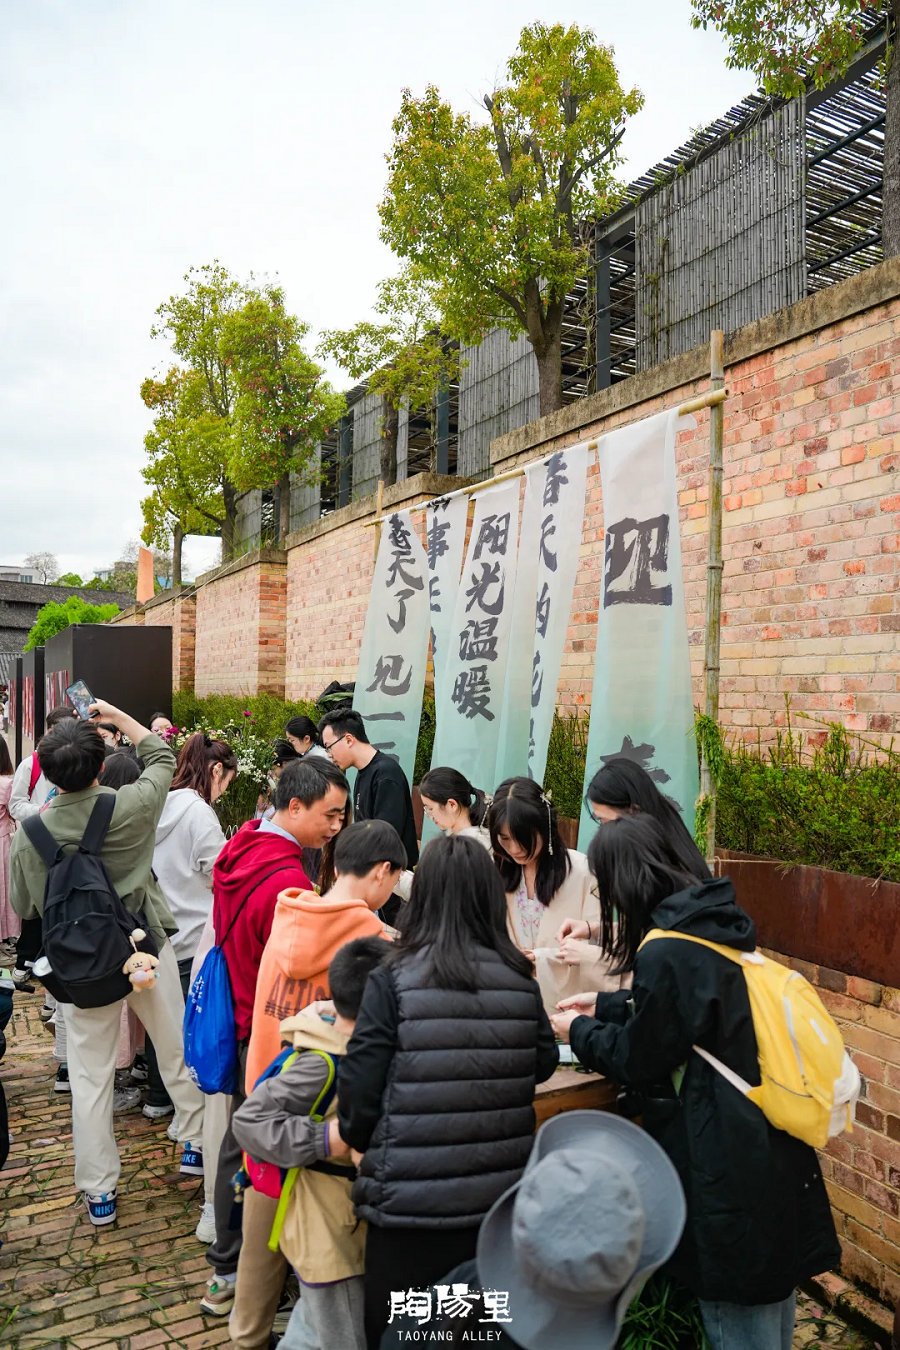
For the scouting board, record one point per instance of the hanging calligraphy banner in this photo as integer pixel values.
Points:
(445, 538)
(468, 719)
(390, 676)
(549, 544)
(642, 705)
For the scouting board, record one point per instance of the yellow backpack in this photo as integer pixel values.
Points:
(809, 1083)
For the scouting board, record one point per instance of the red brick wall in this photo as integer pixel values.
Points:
(862, 1168)
(179, 613)
(811, 528)
(329, 577)
(240, 627)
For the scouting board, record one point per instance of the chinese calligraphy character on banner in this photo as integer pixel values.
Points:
(445, 537)
(478, 642)
(391, 672)
(548, 561)
(642, 704)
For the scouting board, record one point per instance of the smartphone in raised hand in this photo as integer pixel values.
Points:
(80, 698)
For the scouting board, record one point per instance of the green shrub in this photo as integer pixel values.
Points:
(425, 743)
(833, 805)
(264, 712)
(60, 614)
(566, 757)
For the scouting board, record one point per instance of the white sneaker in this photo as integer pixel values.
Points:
(172, 1130)
(205, 1231)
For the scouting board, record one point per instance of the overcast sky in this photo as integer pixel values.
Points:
(141, 139)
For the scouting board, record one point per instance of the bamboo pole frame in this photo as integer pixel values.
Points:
(712, 399)
(714, 567)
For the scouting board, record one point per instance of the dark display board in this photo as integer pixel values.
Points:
(15, 707)
(129, 667)
(33, 706)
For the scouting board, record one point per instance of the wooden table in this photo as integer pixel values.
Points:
(571, 1090)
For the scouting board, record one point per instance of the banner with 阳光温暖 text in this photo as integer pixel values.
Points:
(390, 676)
(445, 539)
(642, 704)
(468, 718)
(549, 544)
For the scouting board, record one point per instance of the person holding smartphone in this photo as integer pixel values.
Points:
(71, 756)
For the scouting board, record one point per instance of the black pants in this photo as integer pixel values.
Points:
(28, 943)
(156, 1092)
(408, 1258)
(224, 1252)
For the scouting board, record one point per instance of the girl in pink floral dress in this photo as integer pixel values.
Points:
(10, 923)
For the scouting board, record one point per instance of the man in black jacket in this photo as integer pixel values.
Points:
(382, 792)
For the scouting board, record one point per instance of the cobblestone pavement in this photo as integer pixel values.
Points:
(136, 1284)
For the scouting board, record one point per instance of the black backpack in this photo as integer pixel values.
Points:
(86, 927)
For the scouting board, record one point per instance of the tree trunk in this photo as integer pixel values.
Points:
(177, 541)
(229, 523)
(390, 425)
(283, 499)
(890, 229)
(549, 360)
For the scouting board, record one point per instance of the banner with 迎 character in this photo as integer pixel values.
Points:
(390, 676)
(468, 718)
(445, 539)
(549, 544)
(642, 705)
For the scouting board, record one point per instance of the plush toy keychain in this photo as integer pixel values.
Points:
(141, 967)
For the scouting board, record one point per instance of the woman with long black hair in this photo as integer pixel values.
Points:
(758, 1220)
(623, 788)
(547, 885)
(437, 1085)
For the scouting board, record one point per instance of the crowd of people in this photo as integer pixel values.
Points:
(392, 1017)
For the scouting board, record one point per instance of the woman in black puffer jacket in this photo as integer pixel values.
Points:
(437, 1085)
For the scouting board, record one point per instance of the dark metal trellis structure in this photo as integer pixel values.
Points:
(808, 221)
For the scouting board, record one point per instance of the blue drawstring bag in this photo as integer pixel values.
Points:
(210, 1043)
(210, 1040)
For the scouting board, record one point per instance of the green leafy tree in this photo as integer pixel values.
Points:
(196, 401)
(69, 579)
(282, 407)
(492, 214)
(789, 42)
(56, 616)
(404, 359)
(188, 449)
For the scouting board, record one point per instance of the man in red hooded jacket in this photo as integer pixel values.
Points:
(261, 860)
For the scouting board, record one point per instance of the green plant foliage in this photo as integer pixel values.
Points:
(69, 579)
(664, 1316)
(834, 805)
(566, 758)
(55, 616)
(425, 743)
(266, 713)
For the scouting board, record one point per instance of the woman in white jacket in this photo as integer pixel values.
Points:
(545, 883)
(189, 838)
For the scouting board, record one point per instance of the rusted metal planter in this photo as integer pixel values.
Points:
(831, 919)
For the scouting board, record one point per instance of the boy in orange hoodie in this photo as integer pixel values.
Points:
(307, 931)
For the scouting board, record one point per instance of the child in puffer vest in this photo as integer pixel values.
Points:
(290, 1120)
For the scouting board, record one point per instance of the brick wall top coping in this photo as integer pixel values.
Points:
(420, 487)
(166, 597)
(273, 557)
(874, 286)
(126, 613)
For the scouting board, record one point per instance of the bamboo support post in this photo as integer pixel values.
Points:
(714, 567)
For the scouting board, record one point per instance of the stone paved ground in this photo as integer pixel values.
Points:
(135, 1284)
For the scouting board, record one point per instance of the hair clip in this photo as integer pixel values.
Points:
(545, 798)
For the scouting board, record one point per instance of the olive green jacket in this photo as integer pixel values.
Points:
(127, 850)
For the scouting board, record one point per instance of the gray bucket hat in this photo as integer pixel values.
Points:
(597, 1210)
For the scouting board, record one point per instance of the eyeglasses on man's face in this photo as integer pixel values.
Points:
(329, 748)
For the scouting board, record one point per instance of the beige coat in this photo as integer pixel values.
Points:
(575, 899)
